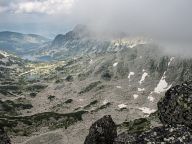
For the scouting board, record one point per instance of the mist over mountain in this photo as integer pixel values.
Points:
(167, 22)
(92, 72)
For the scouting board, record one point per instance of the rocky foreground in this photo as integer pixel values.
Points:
(174, 112)
(4, 139)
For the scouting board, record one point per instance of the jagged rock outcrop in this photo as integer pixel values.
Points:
(176, 106)
(103, 131)
(4, 139)
(175, 113)
(175, 134)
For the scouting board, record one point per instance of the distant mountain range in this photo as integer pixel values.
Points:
(79, 41)
(19, 43)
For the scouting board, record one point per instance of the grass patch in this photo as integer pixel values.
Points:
(51, 98)
(62, 104)
(136, 126)
(68, 101)
(102, 107)
(90, 87)
(9, 107)
(91, 104)
(35, 87)
(29, 124)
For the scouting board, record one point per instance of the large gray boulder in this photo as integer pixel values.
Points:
(4, 139)
(103, 131)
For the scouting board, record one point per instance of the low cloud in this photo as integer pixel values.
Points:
(167, 21)
(38, 6)
(3, 9)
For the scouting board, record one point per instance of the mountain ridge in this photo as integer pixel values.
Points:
(19, 43)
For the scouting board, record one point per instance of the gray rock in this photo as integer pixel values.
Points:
(176, 134)
(174, 111)
(103, 131)
(4, 139)
(176, 106)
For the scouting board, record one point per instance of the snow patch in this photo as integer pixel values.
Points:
(81, 100)
(135, 96)
(119, 87)
(91, 61)
(130, 74)
(171, 59)
(105, 101)
(115, 64)
(147, 110)
(122, 106)
(4, 53)
(162, 86)
(151, 98)
(141, 89)
(140, 57)
(143, 70)
(116, 44)
(143, 78)
(133, 45)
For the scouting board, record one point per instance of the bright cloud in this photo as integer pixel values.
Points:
(44, 7)
(3, 9)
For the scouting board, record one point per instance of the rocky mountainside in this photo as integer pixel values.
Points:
(174, 112)
(125, 84)
(82, 41)
(57, 101)
(19, 43)
(10, 68)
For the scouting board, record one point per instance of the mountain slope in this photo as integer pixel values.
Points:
(124, 78)
(9, 65)
(126, 84)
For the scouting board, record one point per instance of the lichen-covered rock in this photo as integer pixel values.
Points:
(103, 131)
(169, 134)
(176, 106)
(177, 134)
(4, 139)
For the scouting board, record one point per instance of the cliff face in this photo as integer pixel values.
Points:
(176, 106)
(174, 112)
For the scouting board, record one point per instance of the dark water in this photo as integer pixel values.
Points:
(34, 58)
(45, 58)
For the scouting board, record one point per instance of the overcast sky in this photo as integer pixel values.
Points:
(162, 19)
